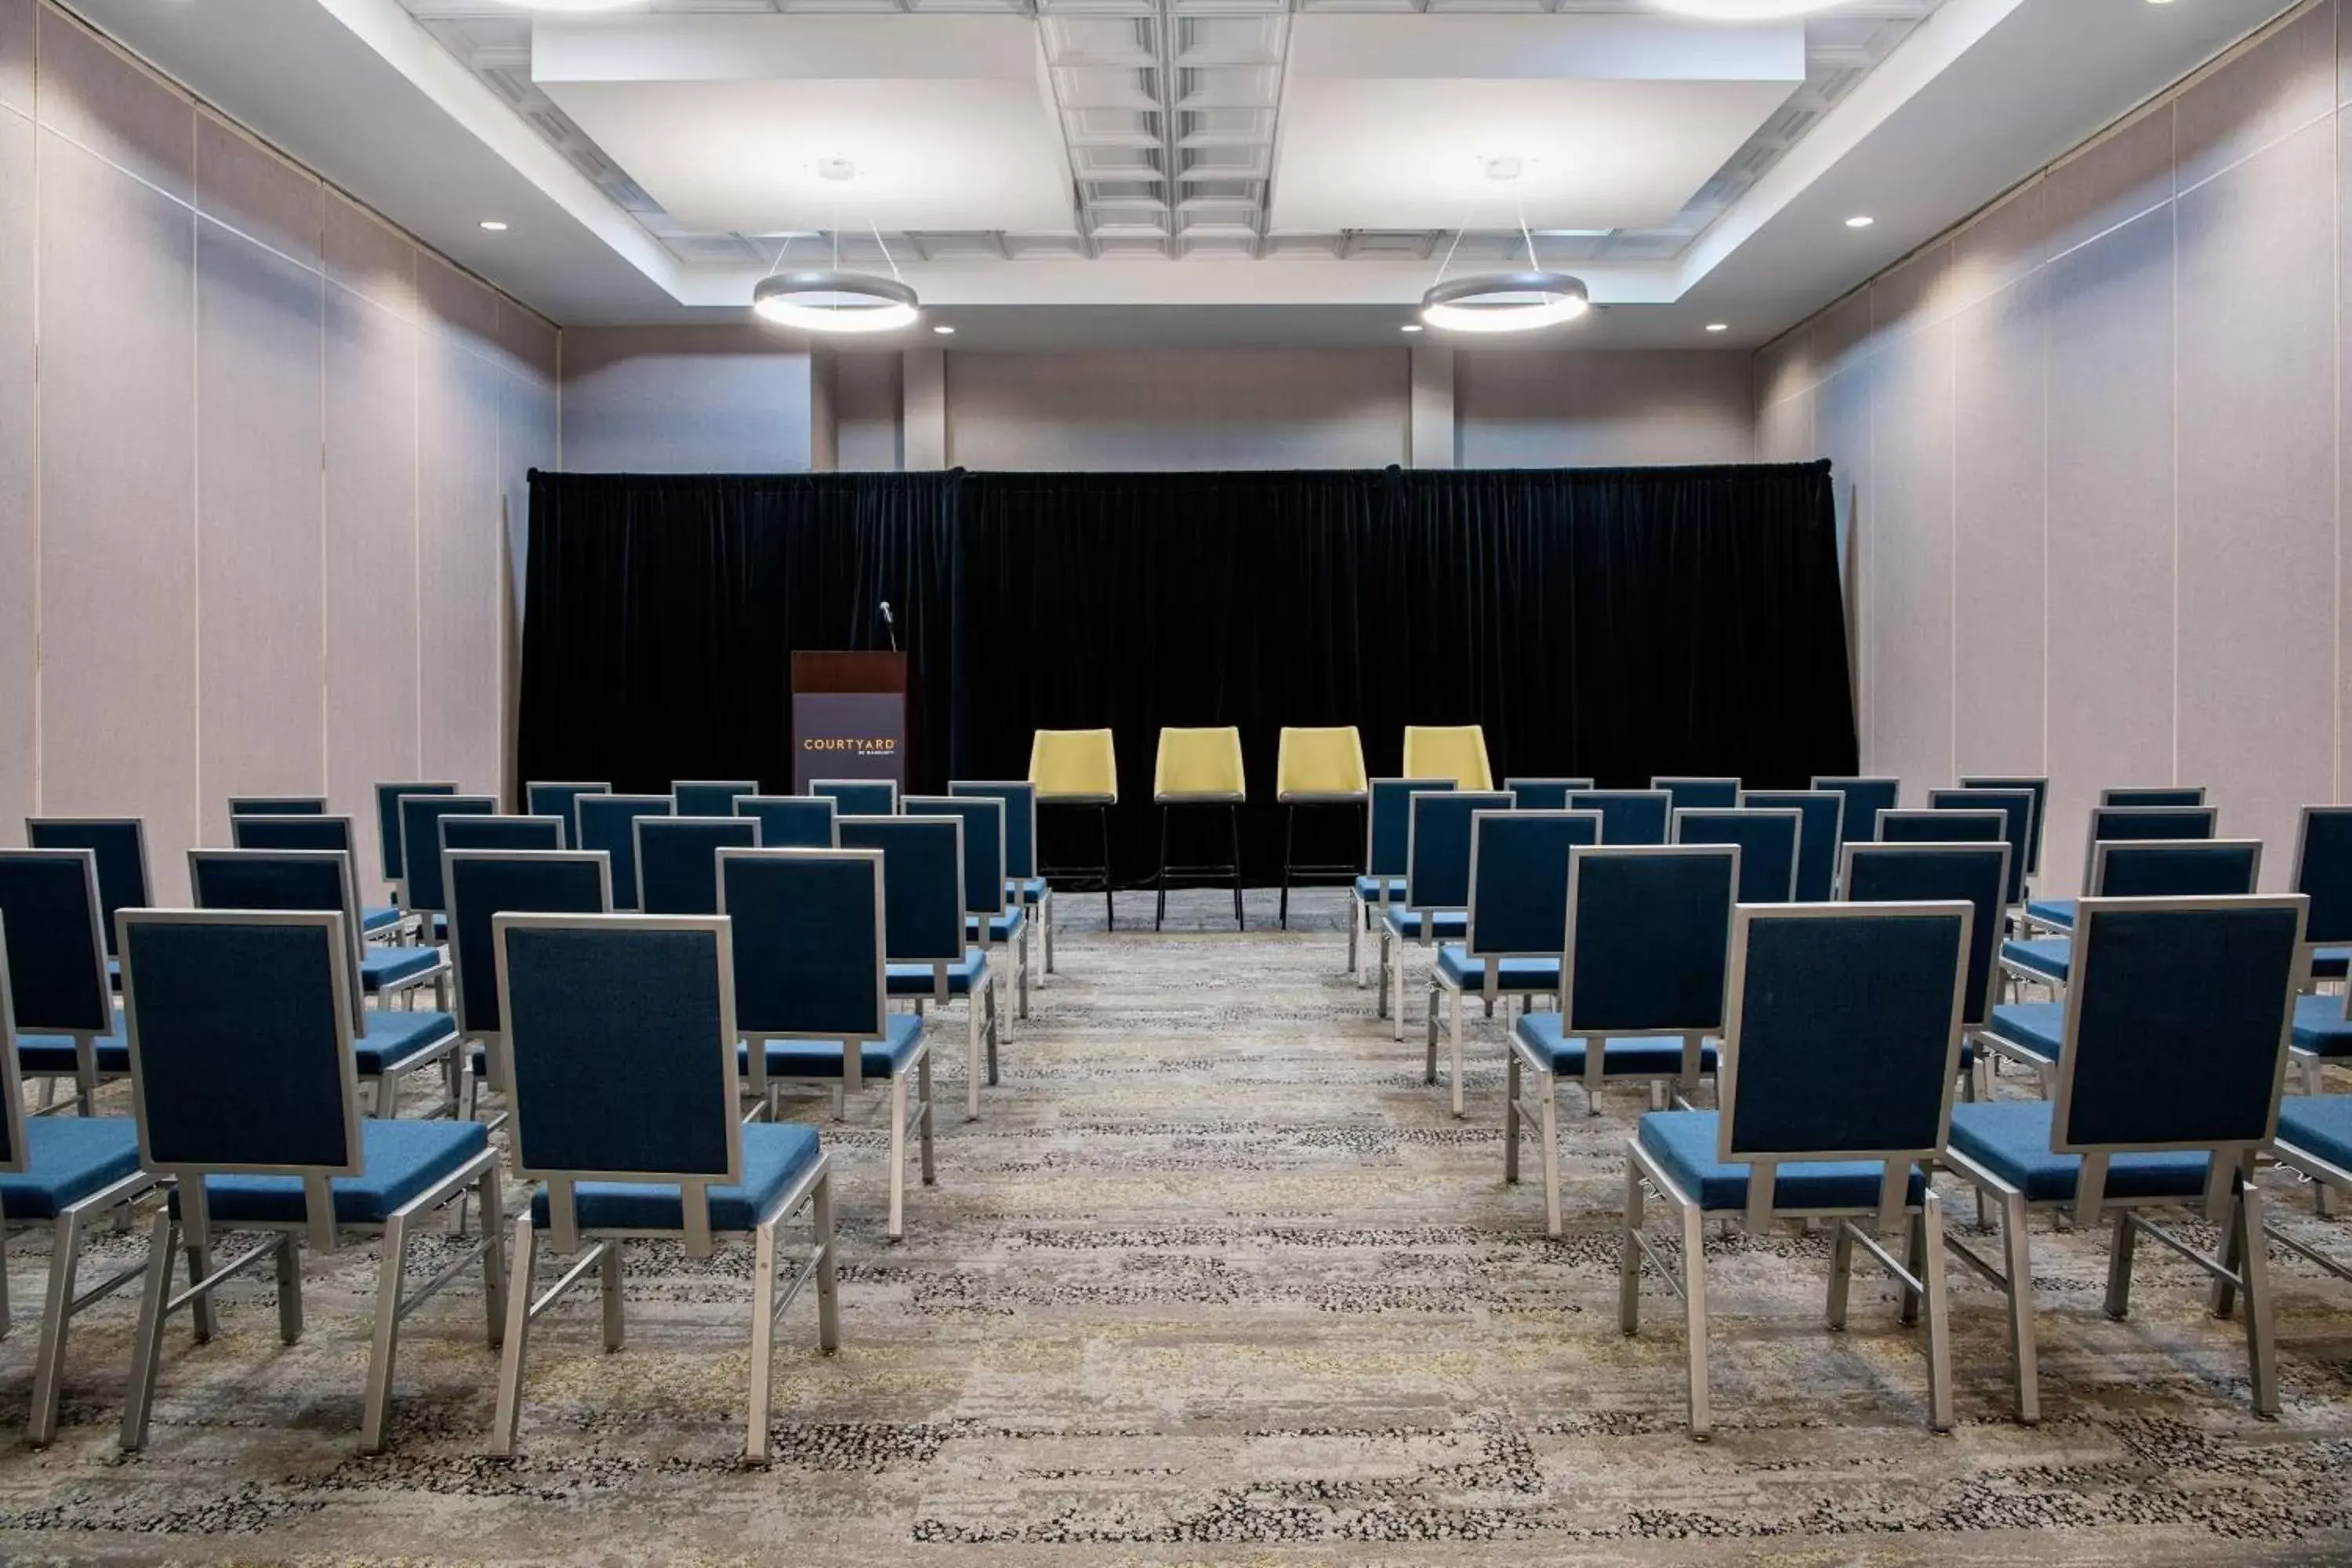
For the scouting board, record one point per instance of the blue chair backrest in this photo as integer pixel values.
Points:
(2133, 824)
(1543, 794)
(1648, 938)
(983, 844)
(291, 833)
(1941, 873)
(420, 842)
(1943, 828)
(502, 832)
(859, 798)
(1437, 849)
(2187, 869)
(1824, 811)
(318, 882)
(554, 798)
(810, 950)
(1865, 799)
(2016, 807)
(1685, 793)
(483, 883)
(12, 1108)
(387, 820)
(1388, 830)
(2176, 1031)
(2039, 788)
(790, 821)
(1518, 878)
(922, 882)
(678, 861)
(609, 823)
(2323, 872)
(278, 805)
(2172, 796)
(241, 1055)
(1632, 816)
(57, 951)
(711, 798)
(1844, 1034)
(1769, 844)
(621, 1040)
(119, 844)
(1020, 798)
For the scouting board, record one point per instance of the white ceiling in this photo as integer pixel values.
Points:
(1092, 172)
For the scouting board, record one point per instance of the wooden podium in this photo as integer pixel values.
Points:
(850, 717)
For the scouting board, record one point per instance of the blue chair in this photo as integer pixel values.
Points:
(380, 923)
(2035, 786)
(388, 797)
(1688, 793)
(278, 805)
(468, 832)
(278, 1145)
(2146, 868)
(1865, 799)
(66, 1024)
(1628, 816)
(2323, 873)
(420, 853)
(1944, 873)
(2018, 818)
(812, 990)
(678, 861)
(1771, 840)
(1023, 878)
(391, 1042)
(555, 798)
(2173, 795)
(859, 798)
(485, 883)
(2315, 1140)
(1543, 794)
(119, 845)
(1436, 906)
(2170, 1057)
(61, 1172)
(1824, 811)
(711, 798)
(992, 916)
(1647, 947)
(621, 1032)
(608, 823)
(1838, 1060)
(1519, 906)
(924, 933)
(1943, 828)
(2124, 823)
(790, 821)
(1388, 832)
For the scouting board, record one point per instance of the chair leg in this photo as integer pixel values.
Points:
(2019, 1264)
(390, 1277)
(1702, 1420)
(1429, 1034)
(1159, 879)
(1022, 972)
(1915, 1260)
(289, 1289)
(972, 1059)
(828, 1281)
(1289, 825)
(201, 1309)
(1456, 1035)
(520, 1274)
(1396, 995)
(1939, 1313)
(2119, 1266)
(1110, 900)
(494, 1256)
(56, 1313)
(1357, 910)
(923, 1139)
(2261, 1349)
(763, 1339)
(995, 1035)
(1045, 917)
(1233, 832)
(1546, 1090)
(1511, 1119)
(1841, 1273)
(147, 1349)
(1629, 1254)
(608, 1287)
(895, 1226)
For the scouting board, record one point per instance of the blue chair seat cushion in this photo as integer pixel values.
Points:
(1682, 1143)
(2320, 1027)
(376, 918)
(2317, 1125)
(67, 1157)
(395, 1037)
(774, 1157)
(382, 968)
(2331, 962)
(1380, 890)
(403, 1160)
(43, 1055)
(885, 1057)
(2010, 1138)
(1456, 967)
(1000, 928)
(2059, 913)
(2039, 1026)
(1028, 889)
(915, 979)
(1637, 1055)
(2052, 957)
(1443, 924)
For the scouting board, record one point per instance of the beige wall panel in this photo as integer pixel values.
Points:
(1998, 472)
(2255, 97)
(1521, 409)
(19, 530)
(375, 263)
(252, 190)
(1911, 569)
(458, 564)
(16, 56)
(98, 98)
(2110, 183)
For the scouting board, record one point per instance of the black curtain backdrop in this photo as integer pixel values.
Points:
(1619, 623)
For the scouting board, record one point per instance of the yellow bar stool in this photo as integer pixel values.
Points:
(1316, 767)
(1078, 768)
(1200, 768)
(1456, 751)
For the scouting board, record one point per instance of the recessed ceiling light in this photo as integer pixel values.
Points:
(945, 332)
(1718, 326)
(1410, 327)
(1860, 220)
(494, 225)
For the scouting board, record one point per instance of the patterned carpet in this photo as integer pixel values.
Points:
(1216, 1279)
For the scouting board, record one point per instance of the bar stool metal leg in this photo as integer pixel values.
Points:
(1110, 906)
(1289, 824)
(1234, 827)
(1159, 881)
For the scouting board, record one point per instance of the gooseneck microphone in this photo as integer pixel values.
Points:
(890, 625)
